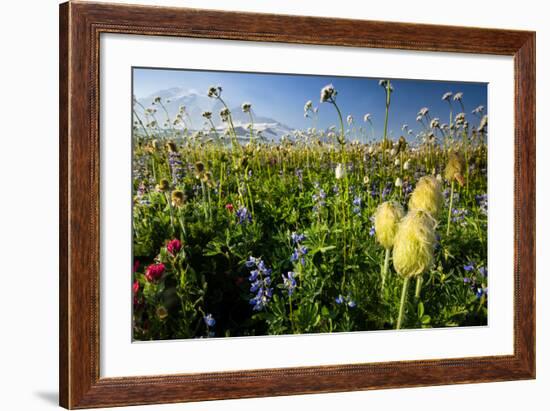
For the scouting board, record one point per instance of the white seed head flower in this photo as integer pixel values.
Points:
(349, 119)
(308, 106)
(483, 123)
(207, 115)
(398, 182)
(434, 123)
(439, 178)
(419, 118)
(460, 118)
(340, 171)
(224, 114)
(371, 149)
(156, 100)
(423, 111)
(396, 162)
(214, 91)
(458, 96)
(328, 93)
(404, 127)
(367, 118)
(447, 96)
(478, 110)
(407, 165)
(393, 152)
(366, 180)
(246, 107)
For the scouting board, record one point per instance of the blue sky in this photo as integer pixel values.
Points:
(282, 96)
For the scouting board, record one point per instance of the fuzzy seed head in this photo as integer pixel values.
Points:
(414, 244)
(455, 166)
(427, 196)
(386, 219)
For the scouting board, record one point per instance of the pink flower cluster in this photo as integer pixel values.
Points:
(174, 246)
(154, 272)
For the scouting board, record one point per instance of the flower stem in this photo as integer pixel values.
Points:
(450, 207)
(419, 281)
(385, 267)
(404, 292)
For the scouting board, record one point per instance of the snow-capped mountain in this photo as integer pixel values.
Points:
(195, 104)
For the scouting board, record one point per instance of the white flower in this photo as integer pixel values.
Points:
(419, 118)
(367, 117)
(214, 91)
(404, 127)
(407, 165)
(478, 110)
(434, 123)
(398, 182)
(396, 162)
(349, 119)
(423, 111)
(483, 123)
(439, 178)
(224, 114)
(458, 96)
(207, 115)
(447, 96)
(393, 152)
(460, 118)
(366, 180)
(328, 93)
(371, 149)
(340, 171)
(308, 106)
(246, 107)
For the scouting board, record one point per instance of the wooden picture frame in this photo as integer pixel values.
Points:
(80, 27)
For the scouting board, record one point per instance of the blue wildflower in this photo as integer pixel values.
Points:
(297, 238)
(339, 299)
(289, 282)
(469, 267)
(372, 231)
(260, 282)
(209, 320)
(243, 215)
(483, 271)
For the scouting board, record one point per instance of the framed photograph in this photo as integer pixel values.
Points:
(260, 205)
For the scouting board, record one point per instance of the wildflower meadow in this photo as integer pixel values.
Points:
(342, 225)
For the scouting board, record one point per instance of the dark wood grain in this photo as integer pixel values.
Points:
(80, 27)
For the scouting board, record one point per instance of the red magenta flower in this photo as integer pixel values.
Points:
(173, 246)
(136, 265)
(229, 207)
(154, 272)
(135, 287)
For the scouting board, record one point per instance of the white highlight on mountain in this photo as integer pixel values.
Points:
(195, 104)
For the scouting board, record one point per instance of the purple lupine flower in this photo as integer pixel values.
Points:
(372, 231)
(469, 267)
(483, 271)
(339, 300)
(243, 216)
(297, 238)
(260, 279)
(289, 282)
(209, 320)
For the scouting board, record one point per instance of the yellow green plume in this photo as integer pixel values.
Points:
(414, 244)
(386, 218)
(454, 168)
(427, 196)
